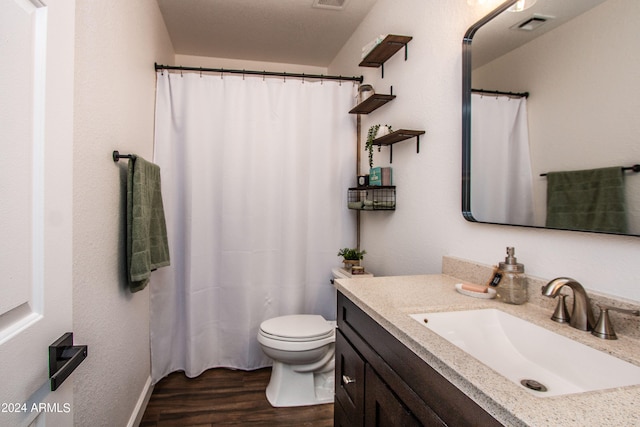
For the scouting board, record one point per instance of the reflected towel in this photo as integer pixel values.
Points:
(587, 200)
(147, 245)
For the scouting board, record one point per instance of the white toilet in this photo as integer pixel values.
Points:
(302, 347)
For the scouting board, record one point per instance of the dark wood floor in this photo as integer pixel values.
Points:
(225, 397)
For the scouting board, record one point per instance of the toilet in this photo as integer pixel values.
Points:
(302, 347)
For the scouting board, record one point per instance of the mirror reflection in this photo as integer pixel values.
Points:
(551, 126)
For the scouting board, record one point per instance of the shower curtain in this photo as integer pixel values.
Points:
(500, 160)
(254, 179)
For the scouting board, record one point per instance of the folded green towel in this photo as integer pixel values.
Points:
(147, 245)
(587, 200)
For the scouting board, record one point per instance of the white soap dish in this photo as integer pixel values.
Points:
(491, 293)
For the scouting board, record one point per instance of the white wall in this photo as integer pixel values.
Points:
(427, 223)
(117, 42)
(238, 64)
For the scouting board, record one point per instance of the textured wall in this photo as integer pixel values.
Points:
(117, 42)
(427, 223)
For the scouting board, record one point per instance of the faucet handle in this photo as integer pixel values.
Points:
(604, 327)
(561, 314)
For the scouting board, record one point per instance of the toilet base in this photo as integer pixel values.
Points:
(290, 388)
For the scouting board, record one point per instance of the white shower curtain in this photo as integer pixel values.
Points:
(501, 177)
(254, 179)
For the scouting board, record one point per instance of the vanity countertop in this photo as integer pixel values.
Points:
(390, 300)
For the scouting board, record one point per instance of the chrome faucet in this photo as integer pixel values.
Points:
(582, 315)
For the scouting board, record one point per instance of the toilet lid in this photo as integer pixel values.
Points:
(308, 326)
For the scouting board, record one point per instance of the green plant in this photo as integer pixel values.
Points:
(371, 135)
(351, 254)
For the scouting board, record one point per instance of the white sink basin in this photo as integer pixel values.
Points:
(520, 350)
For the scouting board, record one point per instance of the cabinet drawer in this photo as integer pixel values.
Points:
(350, 380)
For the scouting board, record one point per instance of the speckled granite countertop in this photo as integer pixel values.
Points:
(389, 301)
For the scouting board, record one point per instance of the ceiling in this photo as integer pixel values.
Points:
(283, 31)
(499, 36)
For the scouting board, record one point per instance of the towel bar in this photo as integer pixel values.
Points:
(117, 156)
(635, 168)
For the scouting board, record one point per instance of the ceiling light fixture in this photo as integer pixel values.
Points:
(522, 5)
(477, 2)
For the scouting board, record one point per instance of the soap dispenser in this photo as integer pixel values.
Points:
(512, 288)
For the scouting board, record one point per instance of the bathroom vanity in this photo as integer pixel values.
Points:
(379, 381)
(392, 370)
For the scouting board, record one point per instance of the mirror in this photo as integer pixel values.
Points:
(551, 96)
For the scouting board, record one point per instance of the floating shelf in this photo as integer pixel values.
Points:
(397, 136)
(372, 103)
(372, 198)
(385, 50)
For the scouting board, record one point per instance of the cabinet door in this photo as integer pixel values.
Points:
(383, 407)
(349, 381)
(340, 416)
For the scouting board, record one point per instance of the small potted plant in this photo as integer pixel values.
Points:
(374, 132)
(351, 257)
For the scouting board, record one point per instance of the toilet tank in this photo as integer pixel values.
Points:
(341, 273)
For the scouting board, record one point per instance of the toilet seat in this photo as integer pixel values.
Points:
(297, 328)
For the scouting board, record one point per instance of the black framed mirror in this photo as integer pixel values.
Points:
(551, 107)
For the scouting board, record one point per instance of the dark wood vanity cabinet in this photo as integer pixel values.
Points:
(380, 382)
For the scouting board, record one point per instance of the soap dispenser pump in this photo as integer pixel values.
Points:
(512, 288)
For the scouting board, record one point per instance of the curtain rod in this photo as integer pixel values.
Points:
(260, 73)
(497, 92)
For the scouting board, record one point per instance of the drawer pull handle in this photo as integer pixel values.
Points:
(347, 380)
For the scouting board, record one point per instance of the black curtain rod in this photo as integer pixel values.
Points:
(497, 92)
(260, 73)
(635, 168)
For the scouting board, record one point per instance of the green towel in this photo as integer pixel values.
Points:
(147, 245)
(587, 200)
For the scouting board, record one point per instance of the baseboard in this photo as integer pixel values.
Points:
(141, 405)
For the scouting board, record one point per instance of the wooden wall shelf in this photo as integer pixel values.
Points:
(372, 103)
(398, 136)
(385, 50)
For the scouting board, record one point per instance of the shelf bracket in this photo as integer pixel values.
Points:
(406, 51)
(382, 69)
(390, 153)
(417, 144)
(64, 358)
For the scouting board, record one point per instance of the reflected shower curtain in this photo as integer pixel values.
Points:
(254, 176)
(500, 160)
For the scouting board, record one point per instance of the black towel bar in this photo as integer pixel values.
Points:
(635, 168)
(117, 156)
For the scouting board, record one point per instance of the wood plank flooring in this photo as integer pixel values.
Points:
(225, 397)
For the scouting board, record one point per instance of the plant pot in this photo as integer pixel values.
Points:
(348, 263)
